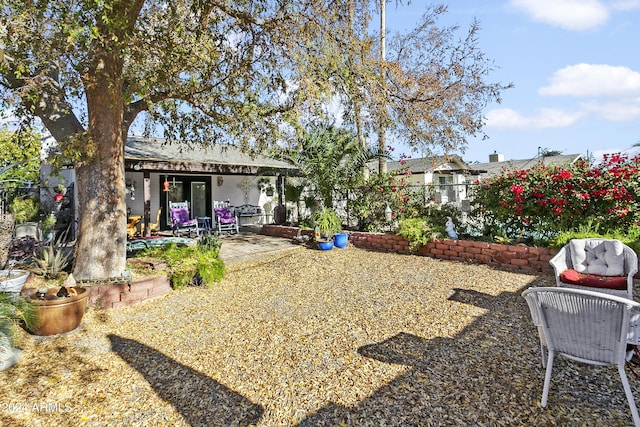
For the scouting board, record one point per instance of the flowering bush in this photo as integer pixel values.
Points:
(544, 201)
(368, 201)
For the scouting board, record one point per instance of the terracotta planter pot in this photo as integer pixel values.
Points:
(58, 315)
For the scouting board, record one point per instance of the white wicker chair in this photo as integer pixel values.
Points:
(563, 261)
(585, 326)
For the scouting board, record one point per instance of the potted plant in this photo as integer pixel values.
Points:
(265, 186)
(59, 304)
(13, 310)
(48, 223)
(326, 224)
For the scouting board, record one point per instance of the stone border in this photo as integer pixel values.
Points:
(512, 257)
(122, 294)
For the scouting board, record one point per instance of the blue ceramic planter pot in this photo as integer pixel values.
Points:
(325, 246)
(340, 240)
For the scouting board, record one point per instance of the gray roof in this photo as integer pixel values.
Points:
(424, 164)
(495, 168)
(156, 154)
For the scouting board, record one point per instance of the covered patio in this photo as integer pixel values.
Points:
(158, 173)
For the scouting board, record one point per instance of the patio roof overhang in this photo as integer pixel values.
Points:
(156, 155)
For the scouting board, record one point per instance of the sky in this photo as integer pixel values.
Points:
(574, 64)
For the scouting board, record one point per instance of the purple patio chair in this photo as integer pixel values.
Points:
(180, 219)
(226, 220)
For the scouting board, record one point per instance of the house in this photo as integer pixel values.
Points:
(157, 173)
(445, 178)
(497, 164)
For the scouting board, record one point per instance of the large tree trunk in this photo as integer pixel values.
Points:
(102, 232)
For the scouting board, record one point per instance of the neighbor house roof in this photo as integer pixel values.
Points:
(490, 169)
(156, 154)
(424, 165)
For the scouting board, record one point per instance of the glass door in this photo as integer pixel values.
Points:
(198, 199)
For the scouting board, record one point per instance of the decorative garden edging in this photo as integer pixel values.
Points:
(512, 257)
(123, 294)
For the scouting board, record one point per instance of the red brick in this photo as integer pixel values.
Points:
(519, 249)
(159, 290)
(473, 250)
(143, 284)
(140, 294)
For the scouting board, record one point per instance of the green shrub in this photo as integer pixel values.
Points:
(418, 231)
(327, 222)
(210, 241)
(190, 265)
(25, 209)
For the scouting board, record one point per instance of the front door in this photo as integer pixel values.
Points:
(194, 189)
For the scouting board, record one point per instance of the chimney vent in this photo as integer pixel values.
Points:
(496, 157)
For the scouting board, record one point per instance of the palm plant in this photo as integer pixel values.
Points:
(13, 310)
(330, 158)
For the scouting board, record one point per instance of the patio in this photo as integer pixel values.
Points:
(346, 337)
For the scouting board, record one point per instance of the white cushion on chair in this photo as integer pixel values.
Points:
(601, 257)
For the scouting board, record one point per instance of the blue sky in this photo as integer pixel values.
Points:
(575, 66)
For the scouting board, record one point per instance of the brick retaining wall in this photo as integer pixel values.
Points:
(122, 294)
(513, 257)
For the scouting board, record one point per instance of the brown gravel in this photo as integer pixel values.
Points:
(343, 337)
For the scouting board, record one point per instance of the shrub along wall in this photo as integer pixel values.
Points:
(513, 257)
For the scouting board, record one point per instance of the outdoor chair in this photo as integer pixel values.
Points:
(595, 264)
(584, 326)
(226, 220)
(180, 219)
(153, 227)
(132, 226)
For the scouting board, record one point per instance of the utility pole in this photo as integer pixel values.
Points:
(382, 124)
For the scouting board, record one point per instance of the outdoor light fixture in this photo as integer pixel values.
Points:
(132, 189)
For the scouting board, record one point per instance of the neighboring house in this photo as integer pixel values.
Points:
(157, 173)
(444, 177)
(497, 164)
(448, 178)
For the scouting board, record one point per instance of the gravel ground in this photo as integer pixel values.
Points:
(342, 337)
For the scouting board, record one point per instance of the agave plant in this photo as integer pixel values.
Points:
(50, 262)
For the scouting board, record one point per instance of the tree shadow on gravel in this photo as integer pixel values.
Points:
(489, 374)
(201, 400)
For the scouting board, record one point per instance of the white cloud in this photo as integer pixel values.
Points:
(619, 111)
(506, 118)
(593, 80)
(626, 4)
(575, 15)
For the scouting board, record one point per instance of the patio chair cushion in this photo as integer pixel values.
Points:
(602, 258)
(225, 216)
(573, 277)
(181, 217)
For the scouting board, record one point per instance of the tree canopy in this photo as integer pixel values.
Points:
(20, 163)
(246, 72)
